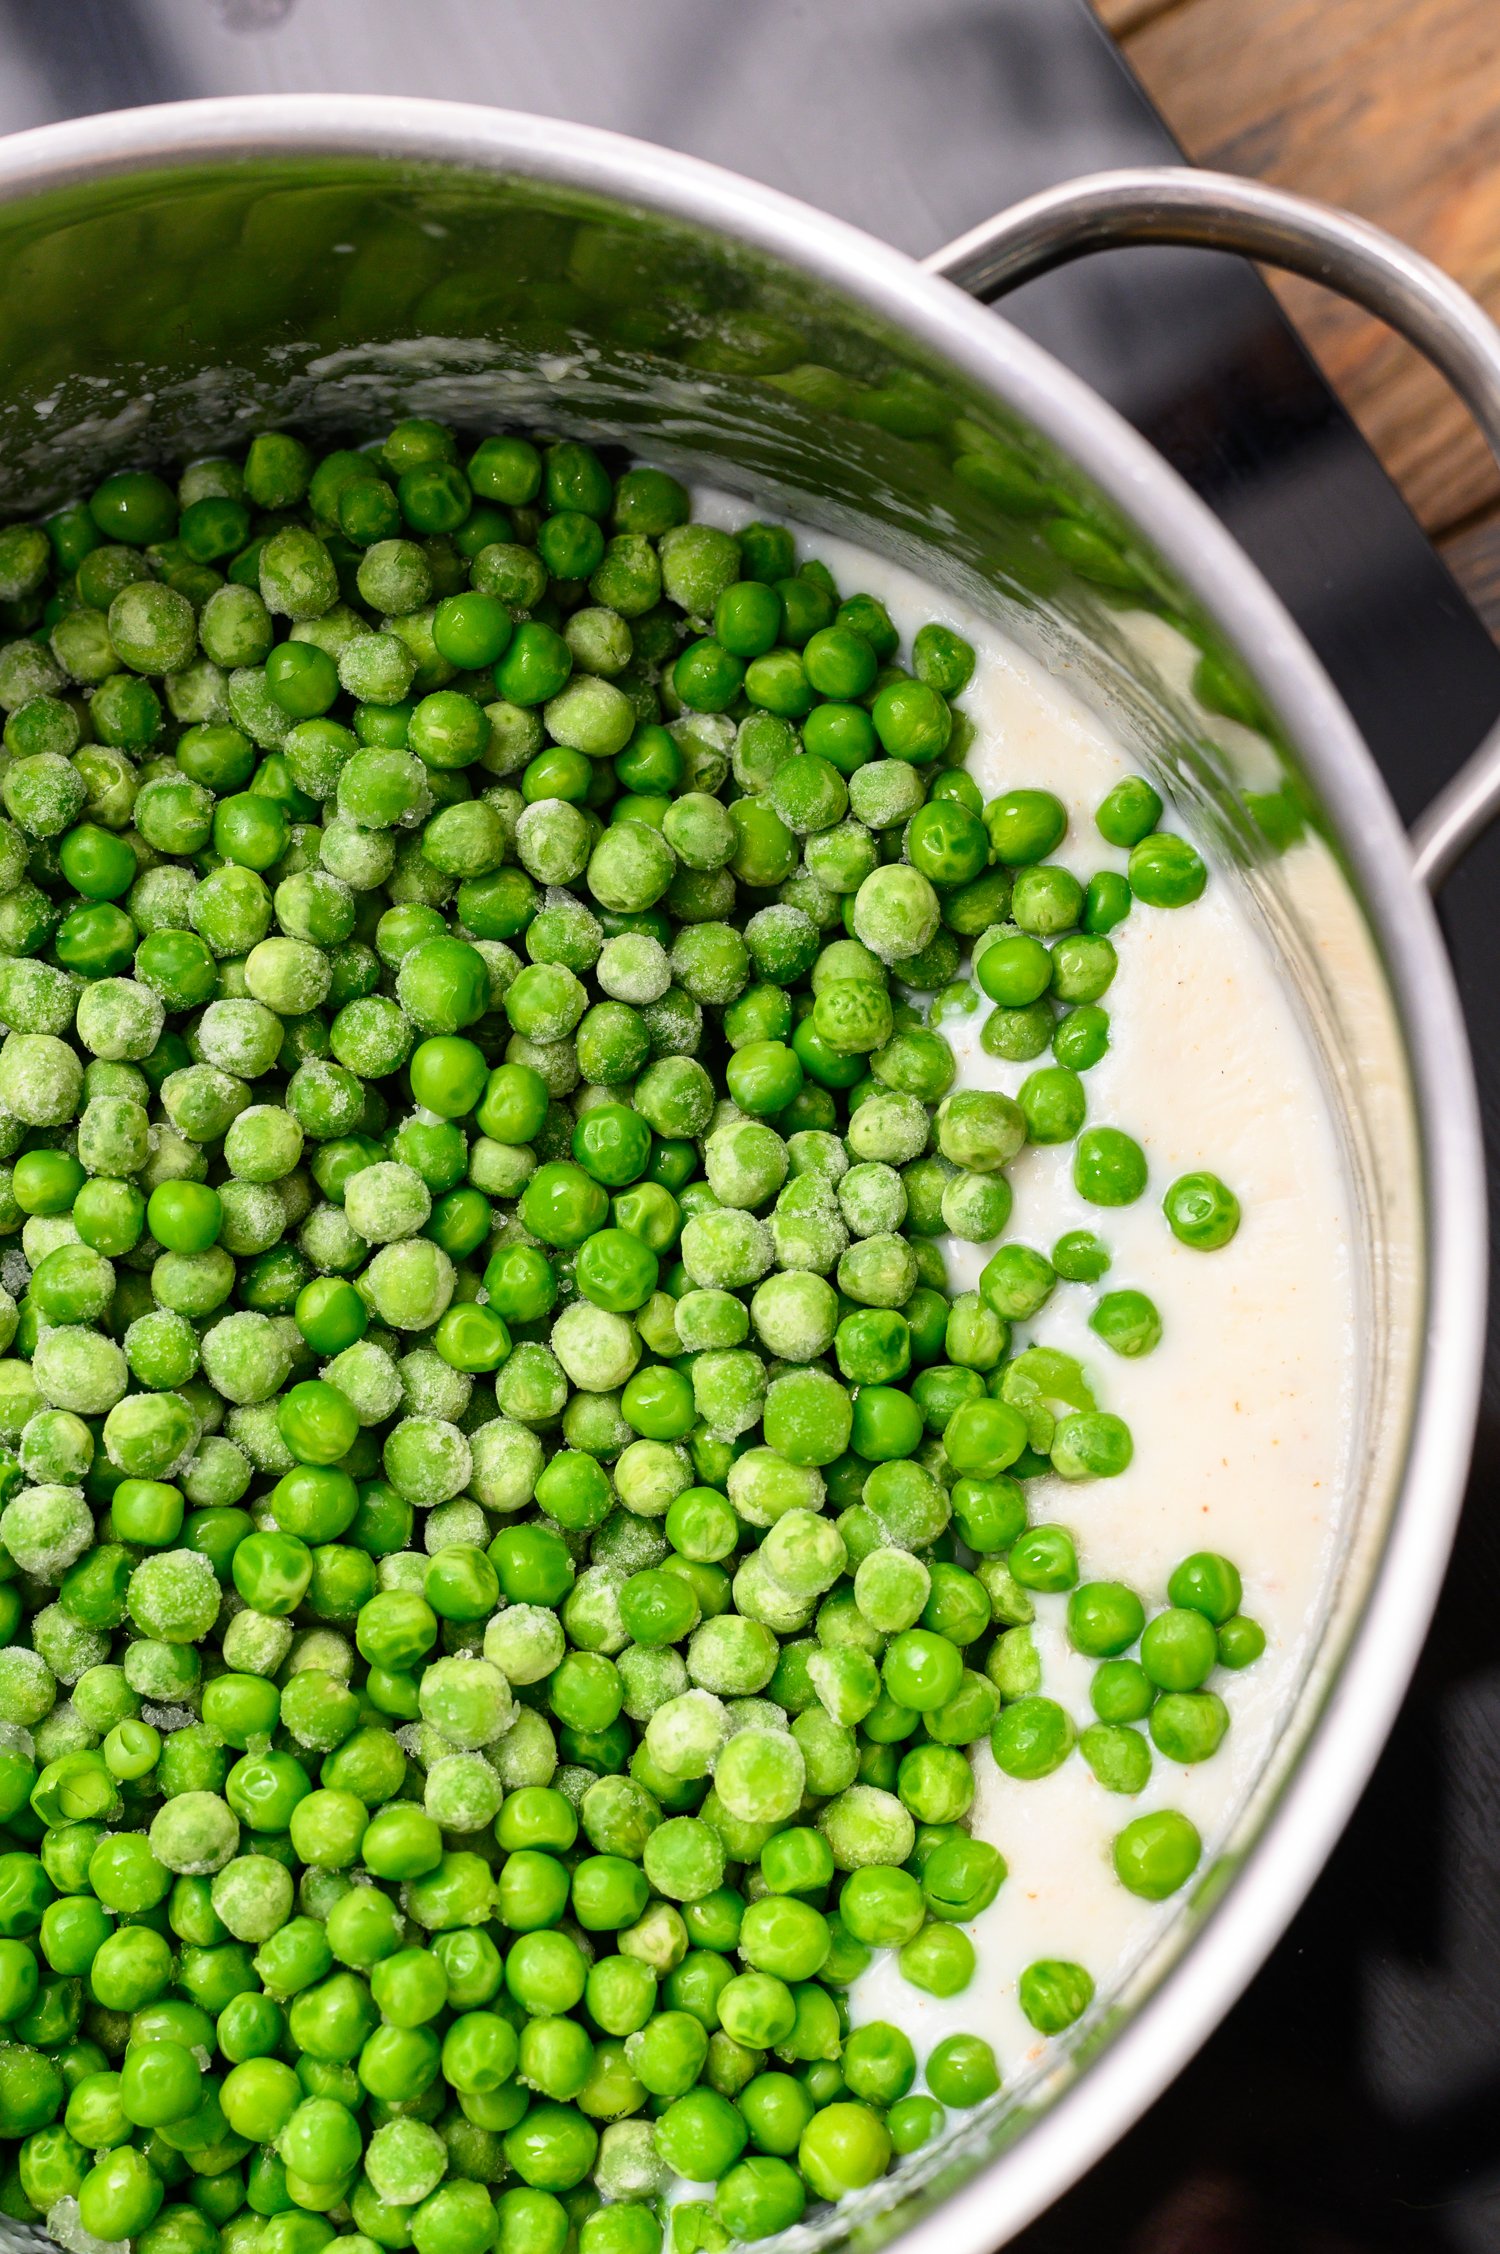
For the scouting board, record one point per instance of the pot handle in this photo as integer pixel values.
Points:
(1217, 211)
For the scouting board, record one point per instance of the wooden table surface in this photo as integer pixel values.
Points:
(1390, 108)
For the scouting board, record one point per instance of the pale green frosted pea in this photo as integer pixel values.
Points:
(41, 1079)
(762, 1485)
(79, 1369)
(710, 1320)
(591, 716)
(896, 912)
(650, 1475)
(525, 1642)
(687, 1734)
(114, 1136)
(161, 1348)
(193, 1283)
(891, 1588)
(507, 1463)
(746, 1163)
(890, 1127)
(330, 1243)
(527, 1754)
(376, 668)
(553, 840)
(368, 1379)
(372, 1036)
(597, 1349)
(628, 2166)
(804, 1551)
(760, 1776)
(263, 1144)
(884, 792)
(35, 997)
(405, 2160)
(242, 1037)
(56, 1447)
(878, 1271)
(427, 1460)
(290, 976)
(253, 1217)
(409, 1284)
(430, 1388)
(865, 1826)
(217, 1476)
(630, 867)
(462, 1792)
(732, 1657)
(69, 1649)
(729, 1388)
(152, 627)
(633, 967)
(252, 1895)
(118, 1017)
(500, 1169)
(28, 1688)
(387, 1202)
(297, 575)
(254, 1428)
(200, 1100)
(235, 627)
(872, 1199)
(363, 859)
(726, 1249)
(245, 1357)
(795, 1316)
(195, 1834)
(255, 1643)
(45, 1529)
(467, 1699)
(174, 1596)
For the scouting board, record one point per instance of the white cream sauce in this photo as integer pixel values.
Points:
(1243, 1416)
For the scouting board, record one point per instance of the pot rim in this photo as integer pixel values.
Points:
(1347, 1736)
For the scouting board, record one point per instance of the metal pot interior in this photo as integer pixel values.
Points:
(154, 310)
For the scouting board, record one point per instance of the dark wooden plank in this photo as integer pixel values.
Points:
(1390, 108)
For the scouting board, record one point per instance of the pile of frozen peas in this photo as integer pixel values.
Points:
(508, 1539)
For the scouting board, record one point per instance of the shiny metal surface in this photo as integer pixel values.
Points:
(167, 277)
(1216, 211)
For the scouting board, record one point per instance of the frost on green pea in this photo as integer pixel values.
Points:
(409, 1284)
(79, 1369)
(28, 1687)
(462, 1793)
(507, 1458)
(650, 1475)
(427, 1460)
(41, 1079)
(45, 1529)
(254, 1429)
(525, 1642)
(430, 1387)
(596, 1349)
(244, 1357)
(35, 997)
(242, 1037)
(686, 1735)
(194, 1834)
(174, 1597)
(387, 1202)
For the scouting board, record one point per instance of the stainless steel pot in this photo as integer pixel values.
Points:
(171, 276)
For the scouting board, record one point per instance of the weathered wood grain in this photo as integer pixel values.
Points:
(1390, 108)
